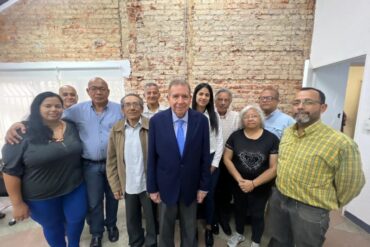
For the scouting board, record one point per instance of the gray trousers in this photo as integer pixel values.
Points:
(188, 224)
(134, 204)
(292, 223)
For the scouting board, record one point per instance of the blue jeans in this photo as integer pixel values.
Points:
(60, 216)
(293, 223)
(97, 186)
(209, 201)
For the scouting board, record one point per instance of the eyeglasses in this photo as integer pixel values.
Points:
(305, 102)
(133, 105)
(95, 89)
(266, 98)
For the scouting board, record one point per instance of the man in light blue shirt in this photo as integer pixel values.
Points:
(94, 119)
(275, 121)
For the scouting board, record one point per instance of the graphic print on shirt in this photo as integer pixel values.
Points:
(251, 161)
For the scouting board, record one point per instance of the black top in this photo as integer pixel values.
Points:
(46, 170)
(251, 157)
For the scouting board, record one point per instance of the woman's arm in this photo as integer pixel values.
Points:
(228, 155)
(13, 186)
(269, 174)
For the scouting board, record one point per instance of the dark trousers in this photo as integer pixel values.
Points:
(223, 195)
(209, 201)
(254, 203)
(61, 216)
(134, 204)
(292, 223)
(98, 189)
(188, 222)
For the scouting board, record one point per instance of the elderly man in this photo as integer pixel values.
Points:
(319, 169)
(276, 121)
(178, 164)
(94, 120)
(230, 122)
(126, 170)
(152, 95)
(69, 96)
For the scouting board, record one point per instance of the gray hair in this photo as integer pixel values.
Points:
(257, 109)
(150, 84)
(224, 90)
(181, 82)
(141, 102)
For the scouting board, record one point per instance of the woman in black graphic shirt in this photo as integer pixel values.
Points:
(251, 157)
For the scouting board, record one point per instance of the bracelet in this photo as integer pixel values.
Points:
(253, 185)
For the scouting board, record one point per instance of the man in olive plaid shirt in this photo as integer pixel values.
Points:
(319, 169)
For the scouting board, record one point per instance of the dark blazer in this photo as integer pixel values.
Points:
(174, 177)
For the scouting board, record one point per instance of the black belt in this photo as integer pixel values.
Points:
(95, 161)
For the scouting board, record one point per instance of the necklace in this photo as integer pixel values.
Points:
(58, 132)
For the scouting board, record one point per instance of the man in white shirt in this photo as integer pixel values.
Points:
(152, 95)
(229, 121)
(126, 170)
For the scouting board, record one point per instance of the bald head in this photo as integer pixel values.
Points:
(98, 91)
(69, 95)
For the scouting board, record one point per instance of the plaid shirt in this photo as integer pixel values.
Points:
(322, 167)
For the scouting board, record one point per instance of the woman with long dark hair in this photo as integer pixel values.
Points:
(43, 174)
(204, 103)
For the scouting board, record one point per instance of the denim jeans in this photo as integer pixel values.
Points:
(98, 187)
(293, 223)
(61, 216)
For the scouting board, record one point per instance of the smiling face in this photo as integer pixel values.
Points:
(307, 108)
(69, 96)
(51, 109)
(179, 99)
(152, 95)
(202, 98)
(132, 108)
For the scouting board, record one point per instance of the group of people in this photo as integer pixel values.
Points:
(72, 161)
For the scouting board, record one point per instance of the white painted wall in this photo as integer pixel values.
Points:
(342, 32)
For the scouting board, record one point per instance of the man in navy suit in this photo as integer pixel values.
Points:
(178, 164)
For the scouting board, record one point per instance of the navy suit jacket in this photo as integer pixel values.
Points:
(178, 178)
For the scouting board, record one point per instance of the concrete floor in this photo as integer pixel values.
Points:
(342, 233)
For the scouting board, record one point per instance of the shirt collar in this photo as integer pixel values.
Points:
(308, 130)
(106, 107)
(184, 118)
(138, 124)
(272, 113)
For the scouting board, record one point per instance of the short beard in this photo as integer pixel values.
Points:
(302, 117)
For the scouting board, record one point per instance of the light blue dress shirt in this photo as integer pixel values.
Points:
(277, 121)
(184, 126)
(93, 127)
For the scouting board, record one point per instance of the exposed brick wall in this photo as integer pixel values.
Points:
(244, 45)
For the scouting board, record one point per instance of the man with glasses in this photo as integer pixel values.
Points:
(276, 121)
(319, 169)
(126, 170)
